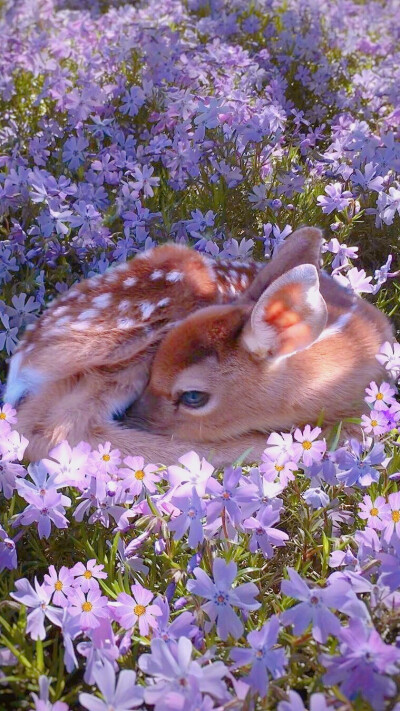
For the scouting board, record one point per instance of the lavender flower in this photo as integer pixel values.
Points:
(37, 600)
(223, 597)
(314, 606)
(136, 609)
(262, 657)
(119, 695)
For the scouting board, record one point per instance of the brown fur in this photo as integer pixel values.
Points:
(199, 337)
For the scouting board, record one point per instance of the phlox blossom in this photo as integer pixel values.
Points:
(120, 694)
(193, 473)
(86, 576)
(222, 597)
(391, 517)
(380, 397)
(42, 702)
(389, 356)
(136, 609)
(307, 446)
(90, 608)
(60, 585)
(138, 477)
(37, 600)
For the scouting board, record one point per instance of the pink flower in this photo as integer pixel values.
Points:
(192, 473)
(375, 422)
(280, 446)
(137, 609)
(91, 608)
(380, 397)
(391, 517)
(105, 459)
(372, 512)
(389, 356)
(60, 585)
(307, 448)
(86, 577)
(137, 476)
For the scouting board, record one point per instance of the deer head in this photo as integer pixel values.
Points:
(295, 346)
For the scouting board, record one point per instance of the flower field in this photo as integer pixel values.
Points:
(224, 125)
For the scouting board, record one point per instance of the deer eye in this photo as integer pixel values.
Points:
(194, 398)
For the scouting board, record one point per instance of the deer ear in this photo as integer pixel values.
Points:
(301, 247)
(289, 315)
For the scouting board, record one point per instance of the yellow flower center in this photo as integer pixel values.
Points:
(87, 606)
(106, 457)
(279, 467)
(58, 585)
(139, 474)
(87, 574)
(374, 423)
(3, 416)
(379, 396)
(374, 511)
(306, 444)
(396, 516)
(139, 610)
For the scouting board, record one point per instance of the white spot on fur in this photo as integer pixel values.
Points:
(81, 326)
(88, 314)
(174, 276)
(131, 281)
(157, 274)
(60, 310)
(63, 320)
(126, 323)
(147, 309)
(30, 327)
(163, 302)
(124, 305)
(102, 300)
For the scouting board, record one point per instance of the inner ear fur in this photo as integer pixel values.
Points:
(301, 247)
(288, 316)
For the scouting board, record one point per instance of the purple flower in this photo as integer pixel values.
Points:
(42, 702)
(261, 656)
(192, 514)
(223, 496)
(45, 510)
(181, 626)
(356, 464)
(119, 695)
(136, 609)
(294, 703)
(132, 100)
(314, 606)
(37, 601)
(74, 151)
(192, 473)
(316, 498)
(264, 536)
(336, 200)
(137, 476)
(389, 356)
(173, 671)
(144, 181)
(8, 553)
(222, 597)
(364, 666)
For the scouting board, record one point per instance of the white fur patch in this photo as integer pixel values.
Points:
(147, 309)
(88, 314)
(163, 302)
(21, 381)
(157, 274)
(174, 276)
(124, 305)
(102, 300)
(130, 281)
(126, 323)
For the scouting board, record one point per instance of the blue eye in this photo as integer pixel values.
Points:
(194, 398)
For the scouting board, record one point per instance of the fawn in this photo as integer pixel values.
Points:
(192, 354)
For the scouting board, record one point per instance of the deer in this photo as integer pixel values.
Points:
(172, 351)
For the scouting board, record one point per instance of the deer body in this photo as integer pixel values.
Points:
(196, 355)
